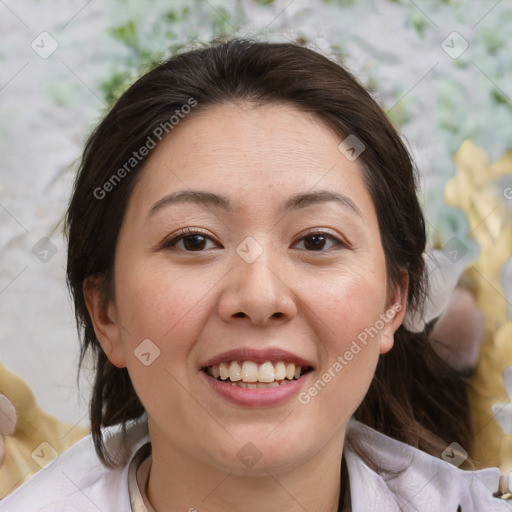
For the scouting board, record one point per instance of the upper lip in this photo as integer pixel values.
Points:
(257, 356)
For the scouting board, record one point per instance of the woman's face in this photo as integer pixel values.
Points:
(273, 273)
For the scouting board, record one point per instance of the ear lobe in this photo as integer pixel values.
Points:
(102, 317)
(395, 313)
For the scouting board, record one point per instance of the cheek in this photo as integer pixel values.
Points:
(159, 302)
(351, 300)
(352, 344)
(350, 350)
(348, 327)
(168, 305)
(164, 306)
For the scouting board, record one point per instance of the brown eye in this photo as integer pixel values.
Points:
(315, 242)
(192, 241)
(319, 240)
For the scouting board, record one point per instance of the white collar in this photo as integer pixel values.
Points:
(427, 484)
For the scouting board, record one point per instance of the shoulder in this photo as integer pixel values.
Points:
(78, 481)
(416, 481)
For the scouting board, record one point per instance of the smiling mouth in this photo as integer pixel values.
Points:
(251, 375)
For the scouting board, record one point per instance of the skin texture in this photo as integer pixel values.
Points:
(190, 303)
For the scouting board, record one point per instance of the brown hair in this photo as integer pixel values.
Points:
(411, 397)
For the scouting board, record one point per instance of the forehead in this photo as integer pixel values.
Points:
(251, 153)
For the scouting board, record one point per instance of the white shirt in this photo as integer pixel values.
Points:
(77, 480)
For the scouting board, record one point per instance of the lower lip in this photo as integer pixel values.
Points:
(259, 397)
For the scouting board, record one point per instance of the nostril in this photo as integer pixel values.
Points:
(240, 314)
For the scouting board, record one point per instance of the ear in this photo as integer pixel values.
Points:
(102, 313)
(395, 312)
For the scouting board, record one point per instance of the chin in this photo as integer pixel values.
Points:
(259, 451)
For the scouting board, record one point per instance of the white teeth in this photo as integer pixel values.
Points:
(247, 372)
(224, 371)
(280, 371)
(266, 372)
(235, 372)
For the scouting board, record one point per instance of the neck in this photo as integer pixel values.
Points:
(188, 484)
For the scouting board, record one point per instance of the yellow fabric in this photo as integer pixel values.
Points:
(475, 190)
(25, 455)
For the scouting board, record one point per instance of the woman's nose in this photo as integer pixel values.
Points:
(257, 289)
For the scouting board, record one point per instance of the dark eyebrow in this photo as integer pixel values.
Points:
(321, 196)
(192, 196)
(293, 203)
